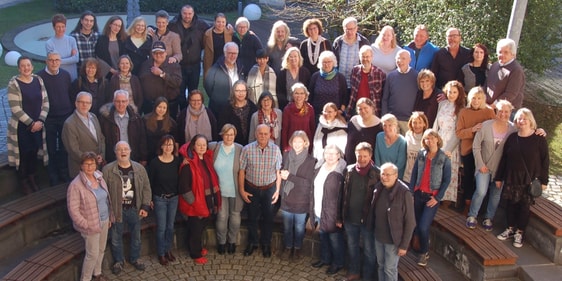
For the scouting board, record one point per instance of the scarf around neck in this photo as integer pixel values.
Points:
(313, 56)
(294, 162)
(364, 170)
(270, 121)
(329, 75)
(200, 126)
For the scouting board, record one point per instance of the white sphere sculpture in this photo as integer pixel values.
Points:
(252, 12)
(12, 57)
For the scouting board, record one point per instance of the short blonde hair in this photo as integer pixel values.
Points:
(418, 115)
(227, 127)
(426, 74)
(300, 134)
(285, 59)
(473, 92)
(431, 132)
(527, 113)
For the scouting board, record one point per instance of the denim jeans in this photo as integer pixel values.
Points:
(165, 211)
(387, 259)
(260, 204)
(293, 229)
(58, 157)
(228, 220)
(332, 248)
(424, 218)
(354, 232)
(484, 184)
(132, 220)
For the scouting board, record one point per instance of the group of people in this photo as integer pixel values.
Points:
(385, 130)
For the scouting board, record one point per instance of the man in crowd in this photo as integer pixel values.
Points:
(259, 182)
(64, 45)
(346, 47)
(221, 76)
(81, 133)
(506, 79)
(86, 35)
(130, 194)
(448, 61)
(421, 50)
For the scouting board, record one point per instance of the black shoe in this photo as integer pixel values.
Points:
(139, 265)
(221, 249)
(266, 250)
(250, 250)
(333, 269)
(117, 268)
(318, 264)
(231, 248)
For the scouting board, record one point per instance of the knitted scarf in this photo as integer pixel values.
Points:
(329, 75)
(293, 162)
(200, 126)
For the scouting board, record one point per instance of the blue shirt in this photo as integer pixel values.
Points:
(224, 164)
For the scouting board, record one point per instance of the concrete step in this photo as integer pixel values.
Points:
(542, 272)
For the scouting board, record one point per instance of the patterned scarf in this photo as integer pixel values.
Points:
(270, 121)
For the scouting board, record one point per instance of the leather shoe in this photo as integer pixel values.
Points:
(170, 256)
(221, 249)
(163, 260)
(250, 250)
(351, 277)
(318, 264)
(231, 249)
(266, 250)
(333, 269)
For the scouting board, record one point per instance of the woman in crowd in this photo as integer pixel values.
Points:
(214, 40)
(138, 44)
(426, 99)
(297, 115)
(158, 123)
(295, 193)
(171, 39)
(29, 104)
(332, 129)
(430, 177)
(110, 44)
(314, 44)
(267, 114)
(64, 45)
(125, 80)
(385, 49)
(199, 191)
(226, 162)
(475, 73)
(292, 71)
(261, 78)
(417, 124)
(91, 80)
(362, 127)
(328, 85)
(88, 204)
(525, 157)
(277, 44)
(239, 112)
(196, 119)
(325, 198)
(390, 145)
(163, 175)
(366, 81)
(468, 124)
(445, 124)
(248, 42)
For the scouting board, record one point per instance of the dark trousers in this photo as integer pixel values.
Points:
(518, 213)
(28, 145)
(195, 227)
(469, 169)
(260, 205)
(58, 157)
(190, 80)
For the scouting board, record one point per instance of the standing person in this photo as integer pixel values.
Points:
(158, 123)
(468, 124)
(362, 127)
(259, 182)
(297, 115)
(86, 35)
(385, 50)
(295, 194)
(163, 175)
(448, 61)
(430, 177)
(279, 41)
(445, 124)
(64, 45)
(332, 129)
(325, 198)
(196, 119)
(347, 46)
(125, 80)
(328, 85)
(200, 194)
(91, 80)
(130, 194)
(58, 84)
(138, 44)
(261, 78)
(226, 156)
(221, 76)
(392, 208)
(292, 72)
(269, 115)
(391, 146)
(367, 81)
(110, 44)
(417, 125)
(525, 157)
(248, 44)
(214, 40)
(360, 179)
(89, 207)
(239, 111)
(426, 98)
(170, 38)
(82, 133)
(314, 44)
(475, 72)
(29, 105)
(421, 50)
(501, 86)
(191, 29)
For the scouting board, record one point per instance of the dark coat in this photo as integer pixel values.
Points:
(350, 174)
(229, 116)
(298, 199)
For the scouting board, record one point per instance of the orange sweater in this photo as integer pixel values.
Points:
(468, 117)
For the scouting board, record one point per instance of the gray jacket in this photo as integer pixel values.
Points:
(484, 147)
(215, 147)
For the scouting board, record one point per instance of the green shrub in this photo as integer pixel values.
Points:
(146, 6)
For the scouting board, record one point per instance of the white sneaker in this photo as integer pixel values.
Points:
(506, 234)
(518, 239)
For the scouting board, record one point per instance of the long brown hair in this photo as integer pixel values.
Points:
(151, 118)
(460, 103)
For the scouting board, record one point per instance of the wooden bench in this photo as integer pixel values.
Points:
(544, 231)
(409, 270)
(549, 213)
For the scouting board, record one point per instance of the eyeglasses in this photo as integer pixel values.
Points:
(123, 149)
(53, 60)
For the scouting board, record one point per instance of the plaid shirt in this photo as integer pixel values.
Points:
(261, 165)
(376, 83)
(86, 44)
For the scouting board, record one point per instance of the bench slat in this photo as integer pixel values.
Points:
(409, 270)
(548, 212)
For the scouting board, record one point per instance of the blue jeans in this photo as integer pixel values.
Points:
(165, 211)
(293, 229)
(484, 184)
(58, 157)
(260, 204)
(424, 218)
(332, 248)
(387, 259)
(354, 232)
(132, 220)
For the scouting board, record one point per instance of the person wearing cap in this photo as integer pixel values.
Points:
(158, 78)
(170, 38)
(261, 78)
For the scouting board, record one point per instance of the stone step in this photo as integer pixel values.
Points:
(542, 272)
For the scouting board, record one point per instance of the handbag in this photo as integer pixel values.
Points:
(534, 188)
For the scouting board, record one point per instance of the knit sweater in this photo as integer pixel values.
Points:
(64, 46)
(468, 117)
(399, 94)
(58, 88)
(506, 82)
